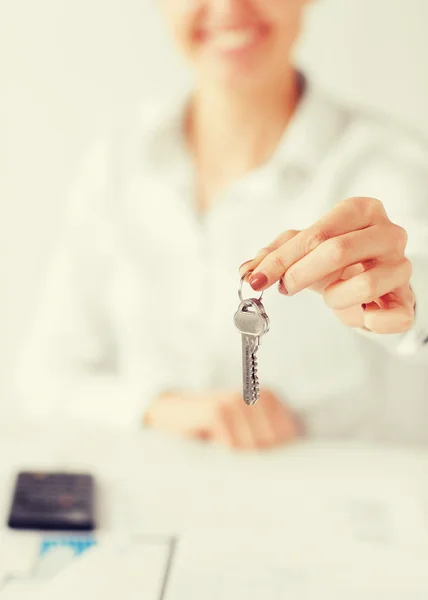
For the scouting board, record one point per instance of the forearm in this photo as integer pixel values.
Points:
(179, 411)
(82, 395)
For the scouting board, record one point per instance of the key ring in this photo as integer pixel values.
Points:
(241, 283)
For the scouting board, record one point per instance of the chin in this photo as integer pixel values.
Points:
(236, 76)
(242, 82)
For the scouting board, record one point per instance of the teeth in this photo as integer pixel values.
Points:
(232, 40)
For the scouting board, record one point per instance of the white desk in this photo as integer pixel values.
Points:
(173, 483)
(149, 483)
(153, 483)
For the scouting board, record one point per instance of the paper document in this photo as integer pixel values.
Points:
(263, 566)
(136, 572)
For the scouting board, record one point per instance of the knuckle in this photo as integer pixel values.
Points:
(399, 236)
(359, 203)
(338, 249)
(263, 252)
(366, 205)
(315, 239)
(375, 205)
(277, 261)
(367, 286)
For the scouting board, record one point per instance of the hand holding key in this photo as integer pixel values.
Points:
(354, 256)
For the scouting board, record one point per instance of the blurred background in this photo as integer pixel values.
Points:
(71, 68)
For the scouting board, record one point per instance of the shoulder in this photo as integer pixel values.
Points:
(131, 145)
(372, 133)
(358, 130)
(375, 155)
(387, 159)
(138, 135)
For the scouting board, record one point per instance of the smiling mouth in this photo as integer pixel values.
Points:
(235, 40)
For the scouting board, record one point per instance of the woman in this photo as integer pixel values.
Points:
(136, 323)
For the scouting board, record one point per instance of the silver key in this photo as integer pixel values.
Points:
(252, 322)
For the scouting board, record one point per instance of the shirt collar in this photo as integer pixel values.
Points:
(314, 126)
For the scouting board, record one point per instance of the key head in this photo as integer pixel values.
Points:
(250, 320)
(257, 303)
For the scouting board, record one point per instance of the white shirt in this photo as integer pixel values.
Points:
(142, 291)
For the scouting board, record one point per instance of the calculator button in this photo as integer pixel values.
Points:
(66, 501)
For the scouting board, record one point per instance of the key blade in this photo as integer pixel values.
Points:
(249, 370)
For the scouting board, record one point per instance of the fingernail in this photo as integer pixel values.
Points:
(258, 281)
(364, 306)
(282, 289)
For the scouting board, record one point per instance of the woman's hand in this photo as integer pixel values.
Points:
(222, 417)
(354, 257)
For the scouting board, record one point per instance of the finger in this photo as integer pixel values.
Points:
(352, 317)
(338, 253)
(221, 431)
(257, 416)
(391, 313)
(250, 265)
(283, 422)
(276, 423)
(365, 287)
(389, 320)
(322, 284)
(349, 215)
(352, 215)
(231, 428)
(262, 435)
(355, 316)
(401, 297)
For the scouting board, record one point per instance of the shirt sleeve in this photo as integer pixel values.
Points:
(396, 172)
(68, 367)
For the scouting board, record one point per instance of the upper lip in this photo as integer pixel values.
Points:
(231, 28)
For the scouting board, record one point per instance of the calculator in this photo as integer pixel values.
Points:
(53, 501)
